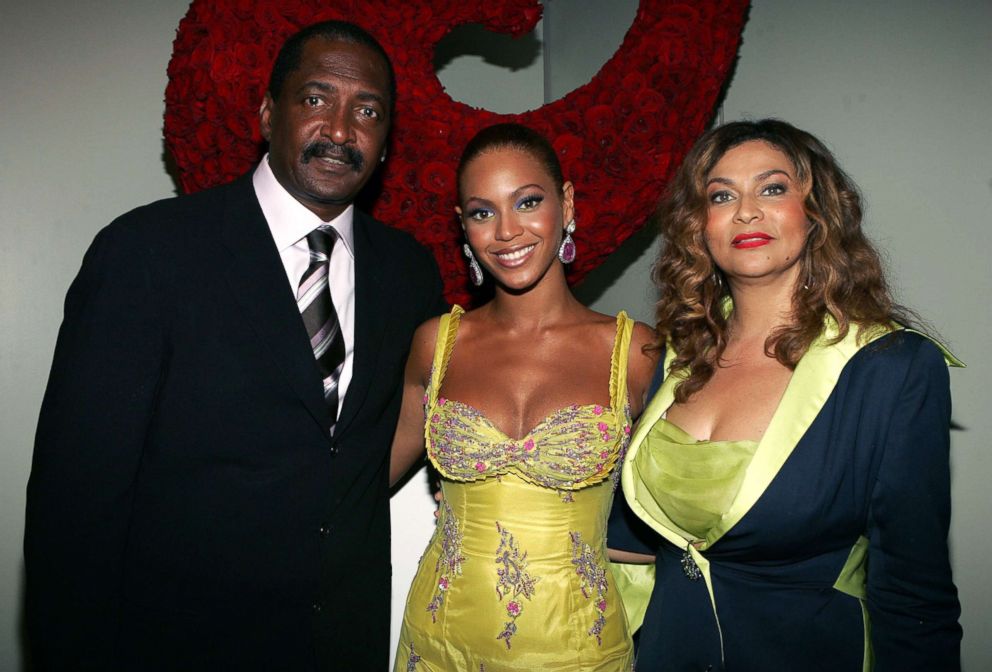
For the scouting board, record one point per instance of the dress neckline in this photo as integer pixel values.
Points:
(688, 439)
(547, 419)
(449, 338)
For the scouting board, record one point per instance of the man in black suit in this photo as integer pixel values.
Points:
(200, 499)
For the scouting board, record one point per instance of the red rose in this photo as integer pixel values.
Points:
(438, 177)
(568, 147)
(600, 124)
(427, 205)
(639, 131)
(206, 134)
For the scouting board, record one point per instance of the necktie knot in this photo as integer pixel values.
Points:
(321, 241)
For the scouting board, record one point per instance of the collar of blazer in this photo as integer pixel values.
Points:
(372, 303)
(258, 284)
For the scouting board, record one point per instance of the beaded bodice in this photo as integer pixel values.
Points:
(571, 448)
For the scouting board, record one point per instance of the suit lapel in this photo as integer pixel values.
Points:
(257, 283)
(371, 312)
(811, 386)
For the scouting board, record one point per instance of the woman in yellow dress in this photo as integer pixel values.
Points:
(525, 407)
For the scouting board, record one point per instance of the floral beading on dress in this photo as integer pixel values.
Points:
(449, 563)
(592, 580)
(624, 444)
(411, 662)
(512, 579)
(570, 454)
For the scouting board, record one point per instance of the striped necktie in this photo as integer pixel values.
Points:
(319, 317)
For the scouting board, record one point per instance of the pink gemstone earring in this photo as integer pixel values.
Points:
(566, 253)
(474, 270)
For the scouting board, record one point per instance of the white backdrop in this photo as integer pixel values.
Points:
(901, 91)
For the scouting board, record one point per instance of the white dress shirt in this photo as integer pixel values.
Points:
(290, 222)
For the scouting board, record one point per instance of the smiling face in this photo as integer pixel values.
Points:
(327, 130)
(755, 223)
(513, 216)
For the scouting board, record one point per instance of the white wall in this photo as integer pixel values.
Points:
(901, 91)
(81, 89)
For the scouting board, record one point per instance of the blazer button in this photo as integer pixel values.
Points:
(317, 607)
(334, 449)
(325, 530)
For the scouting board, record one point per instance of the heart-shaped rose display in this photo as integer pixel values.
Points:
(620, 137)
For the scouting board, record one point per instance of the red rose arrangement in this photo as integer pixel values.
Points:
(620, 137)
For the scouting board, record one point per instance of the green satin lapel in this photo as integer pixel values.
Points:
(948, 355)
(808, 390)
(641, 500)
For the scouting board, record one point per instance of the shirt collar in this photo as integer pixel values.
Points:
(289, 220)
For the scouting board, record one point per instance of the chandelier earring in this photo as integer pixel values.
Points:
(566, 253)
(474, 270)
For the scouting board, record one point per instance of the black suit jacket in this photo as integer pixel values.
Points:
(187, 508)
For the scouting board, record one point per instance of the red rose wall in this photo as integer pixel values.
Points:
(621, 135)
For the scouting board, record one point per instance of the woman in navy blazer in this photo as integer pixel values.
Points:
(793, 466)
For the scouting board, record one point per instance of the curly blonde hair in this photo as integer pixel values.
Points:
(841, 270)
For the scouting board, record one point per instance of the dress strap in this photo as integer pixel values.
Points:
(447, 331)
(618, 364)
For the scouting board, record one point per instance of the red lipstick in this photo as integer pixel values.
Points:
(749, 239)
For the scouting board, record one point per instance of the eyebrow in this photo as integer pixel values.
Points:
(514, 194)
(314, 84)
(757, 178)
(520, 190)
(370, 97)
(476, 201)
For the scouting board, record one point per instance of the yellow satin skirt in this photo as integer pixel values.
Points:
(516, 578)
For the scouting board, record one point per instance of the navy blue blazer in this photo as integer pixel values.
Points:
(873, 463)
(187, 508)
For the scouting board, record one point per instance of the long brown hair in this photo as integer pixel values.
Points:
(840, 270)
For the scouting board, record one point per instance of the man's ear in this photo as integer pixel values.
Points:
(265, 116)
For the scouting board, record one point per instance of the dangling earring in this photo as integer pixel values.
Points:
(474, 270)
(718, 280)
(566, 253)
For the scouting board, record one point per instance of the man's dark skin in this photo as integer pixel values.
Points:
(189, 507)
(327, 131)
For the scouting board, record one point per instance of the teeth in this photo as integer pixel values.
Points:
(517, 254)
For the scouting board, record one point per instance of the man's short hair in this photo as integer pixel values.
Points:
(291, 53)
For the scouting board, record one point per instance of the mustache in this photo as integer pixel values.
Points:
(346, 153)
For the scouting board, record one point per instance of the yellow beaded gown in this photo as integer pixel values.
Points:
(516, 575)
